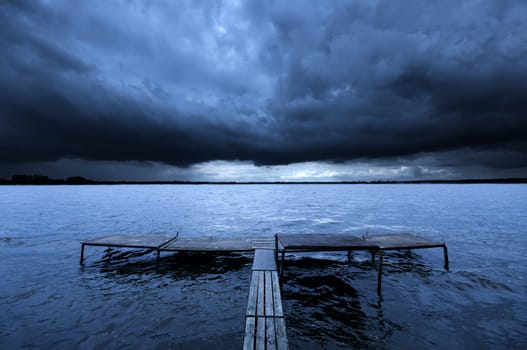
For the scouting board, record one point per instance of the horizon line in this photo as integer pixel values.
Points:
(36, 179)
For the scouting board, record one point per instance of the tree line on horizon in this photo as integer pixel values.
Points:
(36, 179)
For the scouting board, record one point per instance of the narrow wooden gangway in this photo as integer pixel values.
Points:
(264, 318)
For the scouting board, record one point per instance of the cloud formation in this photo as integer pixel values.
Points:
(266, 82)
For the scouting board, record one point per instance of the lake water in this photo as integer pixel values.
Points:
(121, 299)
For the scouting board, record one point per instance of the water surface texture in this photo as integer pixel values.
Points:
(121, 299)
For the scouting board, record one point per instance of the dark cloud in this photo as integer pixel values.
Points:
(265, 82)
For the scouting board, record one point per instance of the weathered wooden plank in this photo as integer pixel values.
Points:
(130, 241)
(260, 342)
(250, 332)
(277, 303)
(253, 295)
(270, 336)
(260, 307)
(402, 241)
(323, 242)
(269, 299)
(263, 243)
(281, 335)
(210, 244)
(320, 242)
(264, 259)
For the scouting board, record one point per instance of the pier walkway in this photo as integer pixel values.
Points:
(264, 318)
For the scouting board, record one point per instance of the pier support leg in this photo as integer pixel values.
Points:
(82, 254)
(276, 249)
(157, 260)
(350, 255)
(445, 254)
(372, 258)
(282, 264)
(379, 273)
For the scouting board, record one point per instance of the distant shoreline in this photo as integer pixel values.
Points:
(44, 180)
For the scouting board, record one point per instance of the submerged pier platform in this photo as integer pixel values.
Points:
(164, 243)
(376, 244)
(153, 242)
(265, 326)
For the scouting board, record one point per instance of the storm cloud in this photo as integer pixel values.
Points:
(266, 82)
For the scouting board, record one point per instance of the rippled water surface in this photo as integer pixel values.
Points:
(122, 299)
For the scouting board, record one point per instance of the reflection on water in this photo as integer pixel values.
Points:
(177, 265)
(327, 310)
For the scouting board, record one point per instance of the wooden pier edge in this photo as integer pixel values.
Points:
(148, 242)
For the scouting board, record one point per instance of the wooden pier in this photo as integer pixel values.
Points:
(264, 318)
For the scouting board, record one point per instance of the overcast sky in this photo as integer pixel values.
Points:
(263, 90)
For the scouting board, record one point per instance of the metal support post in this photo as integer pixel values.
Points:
(445, 253)
(379, 273)
(82, 254)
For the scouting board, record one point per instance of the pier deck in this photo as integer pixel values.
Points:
(164, 243)
(210, 244)
(377, 244)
